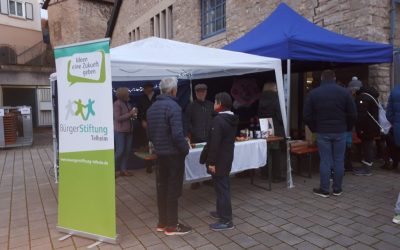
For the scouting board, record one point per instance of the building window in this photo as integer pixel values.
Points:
(130, 36)
(170, 21)
(16, 8)
(161, 25)
(212, 17)
(152, 26)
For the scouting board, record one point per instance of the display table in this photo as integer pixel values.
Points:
(248, 155)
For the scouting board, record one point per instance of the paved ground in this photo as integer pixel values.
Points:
(281, 219)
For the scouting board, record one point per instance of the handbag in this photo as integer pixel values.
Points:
(204, 155)
(383, 123)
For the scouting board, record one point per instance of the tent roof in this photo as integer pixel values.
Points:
(287, 35)
(154, 58)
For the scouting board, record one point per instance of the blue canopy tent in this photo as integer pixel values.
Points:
(287, 35)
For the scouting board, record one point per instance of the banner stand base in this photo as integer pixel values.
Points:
(99, 238)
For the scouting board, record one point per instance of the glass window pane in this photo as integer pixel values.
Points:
(220, 11)
(19, 9)
(12, 7)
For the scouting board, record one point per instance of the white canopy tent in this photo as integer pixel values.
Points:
(154, 58)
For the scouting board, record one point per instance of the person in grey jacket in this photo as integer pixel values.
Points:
(164, 121)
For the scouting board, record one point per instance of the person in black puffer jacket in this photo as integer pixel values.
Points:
(221, 145)
(367, 127)
(164, 121)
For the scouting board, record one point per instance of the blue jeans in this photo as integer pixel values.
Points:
(123, 145)
(223, 191)
(332, 147)
(397, 208)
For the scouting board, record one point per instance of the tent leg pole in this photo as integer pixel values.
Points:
(289, 165)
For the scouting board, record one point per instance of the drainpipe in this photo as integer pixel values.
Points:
(392, 33)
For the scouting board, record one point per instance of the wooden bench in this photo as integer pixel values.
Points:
(307, 151)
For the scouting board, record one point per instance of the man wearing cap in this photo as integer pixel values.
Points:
(198, 118)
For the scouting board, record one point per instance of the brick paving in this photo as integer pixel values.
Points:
(281, 219)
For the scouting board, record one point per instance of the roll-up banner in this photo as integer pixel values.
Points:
(86, 195)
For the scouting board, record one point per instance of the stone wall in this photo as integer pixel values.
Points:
(85, 20)
(362, 19)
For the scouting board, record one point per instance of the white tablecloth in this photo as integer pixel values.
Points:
(248, 155)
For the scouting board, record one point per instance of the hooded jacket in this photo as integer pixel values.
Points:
(221, 142)
(165, 128)
(393, 113)
(366, 127)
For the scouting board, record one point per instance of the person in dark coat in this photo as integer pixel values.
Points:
(367, 126)
(269, 107)
(329, 111)
(144, 104)
(221, 145)
(164, 121)
(198, 118)
(198, 115)
(393, 116)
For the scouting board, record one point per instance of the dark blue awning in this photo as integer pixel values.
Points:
(287, 35)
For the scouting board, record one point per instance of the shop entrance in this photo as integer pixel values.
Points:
(21, 97)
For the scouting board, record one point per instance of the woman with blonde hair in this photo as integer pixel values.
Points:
(123, 118)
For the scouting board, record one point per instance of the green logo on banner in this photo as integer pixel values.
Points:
(87, 68)
(80, 108)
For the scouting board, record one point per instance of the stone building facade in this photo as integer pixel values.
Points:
(363, 19)
(72, 21)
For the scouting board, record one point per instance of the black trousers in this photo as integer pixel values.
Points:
(169, 180)
(223, 191)
(368, 150)
(394, 150)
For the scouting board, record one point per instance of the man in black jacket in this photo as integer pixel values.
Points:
(165, 130)
(198, 118)
(198, 115)
(221, 145)
(330, 111)
(367, 126)
(269, 107)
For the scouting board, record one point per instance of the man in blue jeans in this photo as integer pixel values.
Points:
(330, 111)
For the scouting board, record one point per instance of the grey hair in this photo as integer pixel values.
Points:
(167, 84)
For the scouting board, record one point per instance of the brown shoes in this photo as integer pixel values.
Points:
(125, 173)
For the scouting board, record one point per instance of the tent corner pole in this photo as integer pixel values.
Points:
(288, 138)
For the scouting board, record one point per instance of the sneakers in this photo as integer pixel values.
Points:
(362, 172)
(160, 228)
(320, 192)
(396, 219)
(337, 192)
(178, 230)
(366, 163)
(214, 215)
(125, 174)
(221, 226)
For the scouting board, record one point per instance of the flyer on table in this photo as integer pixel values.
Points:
(86, 140)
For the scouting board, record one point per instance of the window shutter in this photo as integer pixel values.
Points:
(29, 11)
(4, 7)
